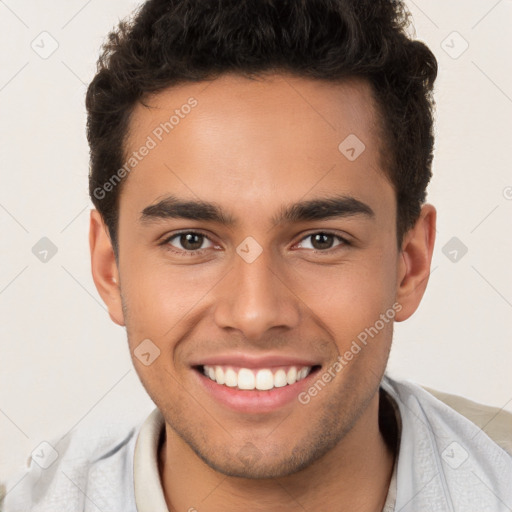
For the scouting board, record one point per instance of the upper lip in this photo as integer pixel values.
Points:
(252, 361)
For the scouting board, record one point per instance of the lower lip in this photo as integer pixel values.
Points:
(254, 401)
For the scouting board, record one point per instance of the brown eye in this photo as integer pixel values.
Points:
(322, 241)
(191, 241)
(188, 241)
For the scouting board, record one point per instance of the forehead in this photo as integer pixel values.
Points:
(255, 141)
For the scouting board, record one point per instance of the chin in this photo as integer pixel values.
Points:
(251, 463)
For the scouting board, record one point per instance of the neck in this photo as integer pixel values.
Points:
(354, 475)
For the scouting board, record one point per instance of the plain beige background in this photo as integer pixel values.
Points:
(63, 363)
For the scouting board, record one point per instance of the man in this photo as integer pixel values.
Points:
(259, 173)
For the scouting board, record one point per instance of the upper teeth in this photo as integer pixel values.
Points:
(261, 379)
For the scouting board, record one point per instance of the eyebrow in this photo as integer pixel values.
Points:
(314, 209)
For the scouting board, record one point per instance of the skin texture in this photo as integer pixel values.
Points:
(252, 147)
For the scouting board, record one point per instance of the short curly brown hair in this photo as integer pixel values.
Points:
(168, 42)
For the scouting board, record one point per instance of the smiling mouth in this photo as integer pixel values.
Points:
(259, 379)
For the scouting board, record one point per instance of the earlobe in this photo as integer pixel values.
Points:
(415, 260)
(104, 267)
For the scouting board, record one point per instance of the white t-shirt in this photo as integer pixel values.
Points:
(445, 462)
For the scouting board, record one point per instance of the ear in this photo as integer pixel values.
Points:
(414, 265)
(104, 267)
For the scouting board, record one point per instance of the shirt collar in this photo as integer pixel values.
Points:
(149, 495)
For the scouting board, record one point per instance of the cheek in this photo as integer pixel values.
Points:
(350, 298)
(158, 296)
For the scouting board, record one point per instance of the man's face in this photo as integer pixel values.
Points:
(251, 295)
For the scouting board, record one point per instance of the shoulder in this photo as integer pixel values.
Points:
(86, 467)
(494, 421)
(454, 453)
(456, 411)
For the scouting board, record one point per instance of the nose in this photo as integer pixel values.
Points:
(255, 297)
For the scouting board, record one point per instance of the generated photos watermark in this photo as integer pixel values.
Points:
(151, 142)
(343, 360)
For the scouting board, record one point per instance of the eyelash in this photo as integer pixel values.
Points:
(196, 252)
